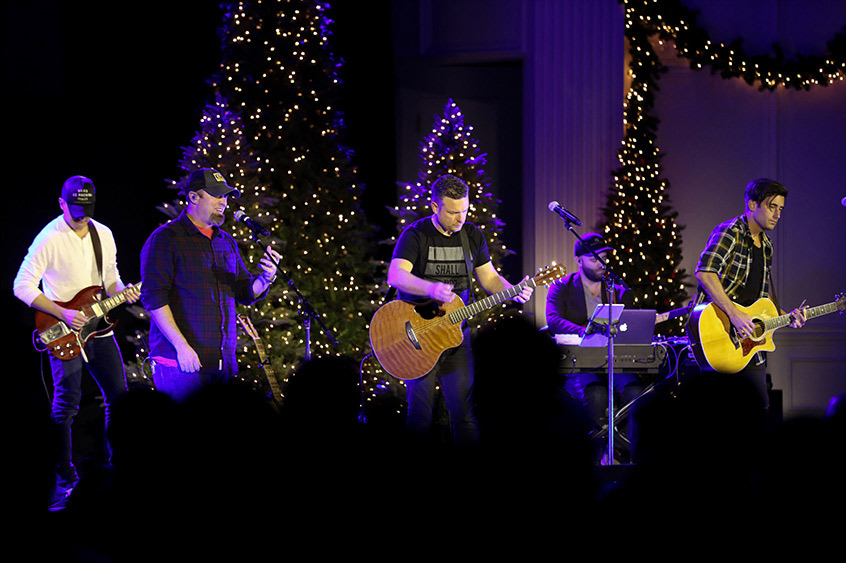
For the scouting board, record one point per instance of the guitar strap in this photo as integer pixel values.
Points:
(468, 260)
(772, 291)
(98, 251)
(392, 292)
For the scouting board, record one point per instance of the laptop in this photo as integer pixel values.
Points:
(634, 326)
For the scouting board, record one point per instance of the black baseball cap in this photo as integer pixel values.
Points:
(80, 196)
(591, 241)
(210, 180)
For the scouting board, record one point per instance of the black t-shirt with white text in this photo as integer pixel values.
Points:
(437, 257)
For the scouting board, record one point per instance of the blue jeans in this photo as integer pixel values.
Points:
(179, 384)
(105, 365)
(454, 371)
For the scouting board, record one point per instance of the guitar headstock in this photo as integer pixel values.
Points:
(549, 274)
(840, 302)
(247, 324)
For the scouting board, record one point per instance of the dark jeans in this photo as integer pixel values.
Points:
(105, 365)
(179, 384)
(454, 372)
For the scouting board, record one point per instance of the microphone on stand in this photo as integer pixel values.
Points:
(555, 207)
(241, 217)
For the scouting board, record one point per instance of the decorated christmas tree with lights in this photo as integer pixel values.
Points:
(275, 132)
(451, 149)
(280, 74)
(638, 220)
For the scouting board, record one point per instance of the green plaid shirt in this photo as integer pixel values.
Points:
(729, 255)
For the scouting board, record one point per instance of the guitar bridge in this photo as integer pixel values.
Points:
(54, 333)
(409, 332)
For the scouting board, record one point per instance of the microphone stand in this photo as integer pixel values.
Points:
(306, 313)
(610, 331)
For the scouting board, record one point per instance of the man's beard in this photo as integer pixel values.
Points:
(216, 219)
(593, 275)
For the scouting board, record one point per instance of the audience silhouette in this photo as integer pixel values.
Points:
(227, 472)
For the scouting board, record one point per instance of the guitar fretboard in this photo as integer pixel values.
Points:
(105, 305)
(461, 315)
(810, 313)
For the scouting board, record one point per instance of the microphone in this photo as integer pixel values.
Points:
(843, 202)
(241, 217)
(555, 207)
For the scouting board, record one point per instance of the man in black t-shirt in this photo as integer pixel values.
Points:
(429, 262)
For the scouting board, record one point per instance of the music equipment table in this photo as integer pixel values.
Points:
(628, 358)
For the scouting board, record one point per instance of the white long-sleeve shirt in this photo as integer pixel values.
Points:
(63, 263)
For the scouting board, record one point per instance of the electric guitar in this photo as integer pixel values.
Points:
(715, 342)
(64, 342)
(251, 331)
(409, 338)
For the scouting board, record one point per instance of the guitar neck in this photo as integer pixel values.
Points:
(109, 303)
(675, 313)
(260, 349)
(811, 312)
(464, 313)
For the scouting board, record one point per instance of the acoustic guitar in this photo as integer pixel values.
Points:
(409, 338)
(64, 342)
(715, 341)
(251, 331)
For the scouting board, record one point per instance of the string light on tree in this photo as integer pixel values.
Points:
(637, 216)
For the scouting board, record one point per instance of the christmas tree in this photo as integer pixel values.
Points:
(275, 131)
(451, 149)
(638, 220)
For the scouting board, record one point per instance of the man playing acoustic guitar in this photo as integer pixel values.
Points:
(429, 261)
(63, 258)
(734, 269)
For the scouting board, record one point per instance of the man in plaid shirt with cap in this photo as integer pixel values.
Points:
(192, 276)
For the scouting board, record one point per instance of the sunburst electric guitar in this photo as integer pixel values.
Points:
(64, 342)
(251, 331)
(408, 338)
(715, 342)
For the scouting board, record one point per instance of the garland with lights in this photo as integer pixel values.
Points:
(671, 20)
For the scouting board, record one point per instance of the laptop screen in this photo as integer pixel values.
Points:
(636, 326)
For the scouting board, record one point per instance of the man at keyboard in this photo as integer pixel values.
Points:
(569, 305)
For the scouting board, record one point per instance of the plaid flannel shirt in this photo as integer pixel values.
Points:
(201, 279)
(729, 255)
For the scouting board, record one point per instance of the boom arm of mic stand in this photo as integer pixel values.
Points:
(307, 312)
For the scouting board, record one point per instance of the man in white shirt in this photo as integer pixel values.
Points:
(62, 260)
